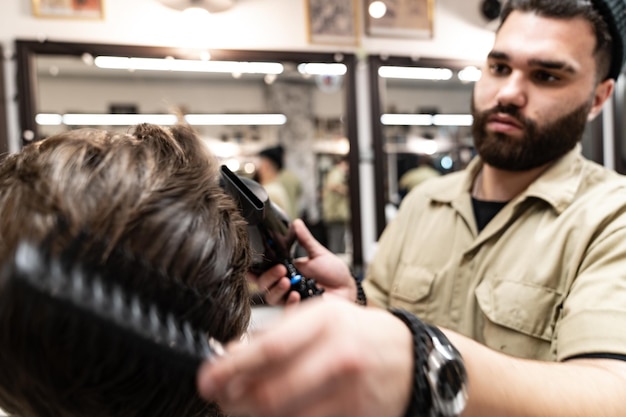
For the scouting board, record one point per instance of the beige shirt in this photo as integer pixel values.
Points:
(293, 187)
(545, 279)
(415, 176)
(335, 198)
(277, 195)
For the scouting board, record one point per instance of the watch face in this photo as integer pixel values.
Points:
(451, 380)
(447, 375)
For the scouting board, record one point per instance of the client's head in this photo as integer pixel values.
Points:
(152, 195)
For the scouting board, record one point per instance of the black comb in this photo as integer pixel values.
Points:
(81, 293)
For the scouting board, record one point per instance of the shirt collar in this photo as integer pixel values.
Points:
(557, 185)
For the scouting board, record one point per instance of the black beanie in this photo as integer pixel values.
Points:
(274, 154)
(614, 14)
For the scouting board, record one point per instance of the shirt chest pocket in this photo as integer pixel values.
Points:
(519, 317)
(412, 288)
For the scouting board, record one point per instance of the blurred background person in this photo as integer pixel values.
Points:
(423, 170)
(293, 186)
(336, 206)
(271, 161)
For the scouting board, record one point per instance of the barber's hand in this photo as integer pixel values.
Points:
(275, 286)
(330, 272)
(321, 359)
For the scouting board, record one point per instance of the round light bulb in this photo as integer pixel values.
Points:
(377, 9)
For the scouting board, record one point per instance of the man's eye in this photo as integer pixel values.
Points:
(545, 77)
(499, 69)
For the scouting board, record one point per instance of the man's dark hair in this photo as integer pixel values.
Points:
(276, 154)
(607, 48)
(154, 195)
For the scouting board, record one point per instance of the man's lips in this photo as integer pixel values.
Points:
(504, 123)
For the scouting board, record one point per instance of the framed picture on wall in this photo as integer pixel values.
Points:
(82, 9)
(333, 22)
(399, 18)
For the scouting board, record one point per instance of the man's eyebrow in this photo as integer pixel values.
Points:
(542, 63)
(553, 65)
(499, 55)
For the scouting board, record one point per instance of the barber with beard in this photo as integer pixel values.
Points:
(502, 288)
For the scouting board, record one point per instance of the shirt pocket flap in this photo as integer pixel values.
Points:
(523, 307)
(412, 283)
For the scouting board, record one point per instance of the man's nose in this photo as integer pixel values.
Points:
(513, 91)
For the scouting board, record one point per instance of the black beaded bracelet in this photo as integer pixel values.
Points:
(421, 403)
(361, 299)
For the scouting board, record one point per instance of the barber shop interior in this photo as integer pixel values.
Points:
(346, 98)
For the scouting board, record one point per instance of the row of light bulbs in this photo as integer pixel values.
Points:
(467, 74)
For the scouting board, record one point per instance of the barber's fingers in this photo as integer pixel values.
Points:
(321, 359)
(273, 284)
(322, 383)
(283, 372)
(302, 387)
(280, 293)
(323, 401)
(306, 239)
(270, 277)
(269, 349)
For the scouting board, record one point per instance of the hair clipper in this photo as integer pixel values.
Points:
(270, 231)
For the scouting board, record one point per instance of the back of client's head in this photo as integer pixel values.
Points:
(152, 195)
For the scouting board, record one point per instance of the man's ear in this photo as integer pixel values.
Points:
(601, 94)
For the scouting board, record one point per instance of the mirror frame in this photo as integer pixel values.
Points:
(27, 50)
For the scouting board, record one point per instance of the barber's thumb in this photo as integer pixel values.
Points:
(305, 238)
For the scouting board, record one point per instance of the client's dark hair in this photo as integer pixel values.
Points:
(152, 195)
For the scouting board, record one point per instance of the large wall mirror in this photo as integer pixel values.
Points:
(240, 102)
(421, 116)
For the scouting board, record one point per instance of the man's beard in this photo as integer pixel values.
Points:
(539, 144)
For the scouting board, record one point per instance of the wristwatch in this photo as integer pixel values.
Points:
(440, 380)
(446, 374)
